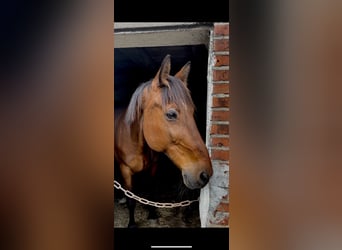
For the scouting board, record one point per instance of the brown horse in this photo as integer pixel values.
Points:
(159, 118)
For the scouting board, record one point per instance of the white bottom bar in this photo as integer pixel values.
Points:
(165, 247)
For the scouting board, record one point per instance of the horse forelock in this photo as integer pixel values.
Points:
(175, 92)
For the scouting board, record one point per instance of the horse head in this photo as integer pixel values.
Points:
(166, 113)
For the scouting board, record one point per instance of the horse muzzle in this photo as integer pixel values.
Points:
(196, 181)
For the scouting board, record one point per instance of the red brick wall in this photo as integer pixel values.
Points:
(218, 112)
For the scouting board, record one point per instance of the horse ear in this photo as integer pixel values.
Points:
(183, 74)
(160, 79)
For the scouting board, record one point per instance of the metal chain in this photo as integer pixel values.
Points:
(131, 195)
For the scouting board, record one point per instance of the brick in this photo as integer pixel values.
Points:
(221, 30)
(221, 60)
(220, 102)
(220, 75)
(221, 45)
(223, 207)
(221, 88)
(220, 129)
(224, 221)
(222, 155)
(219, 115)
(219, 142)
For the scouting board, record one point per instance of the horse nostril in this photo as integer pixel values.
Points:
(204, 177)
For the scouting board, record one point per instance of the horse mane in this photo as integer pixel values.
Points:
(175, 92)
(134, 108)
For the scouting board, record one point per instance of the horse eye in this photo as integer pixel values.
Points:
(171, 115)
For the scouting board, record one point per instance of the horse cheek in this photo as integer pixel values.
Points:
(154, 135)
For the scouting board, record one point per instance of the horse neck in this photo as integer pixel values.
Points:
(137, 135)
